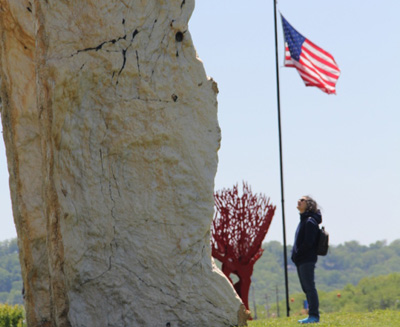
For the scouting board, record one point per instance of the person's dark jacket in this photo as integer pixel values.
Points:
(306, 239)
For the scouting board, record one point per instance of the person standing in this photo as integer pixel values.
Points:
(304, 253)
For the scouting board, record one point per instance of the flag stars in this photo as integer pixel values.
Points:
(293, 38)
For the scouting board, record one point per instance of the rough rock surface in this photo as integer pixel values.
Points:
(111, 133)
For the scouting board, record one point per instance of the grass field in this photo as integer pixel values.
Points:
(370, 319)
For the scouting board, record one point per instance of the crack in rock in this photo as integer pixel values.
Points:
(89, 280)
(123, 61)
(113, 41)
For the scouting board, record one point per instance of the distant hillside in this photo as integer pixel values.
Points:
(344, 264)
(370, 294)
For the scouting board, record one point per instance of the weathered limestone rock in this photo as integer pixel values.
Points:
(111, 133)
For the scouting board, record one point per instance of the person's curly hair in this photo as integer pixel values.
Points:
(312, 205)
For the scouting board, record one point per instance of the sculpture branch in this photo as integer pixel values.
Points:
(238, 229)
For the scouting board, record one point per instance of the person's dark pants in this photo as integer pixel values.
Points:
(306, 276)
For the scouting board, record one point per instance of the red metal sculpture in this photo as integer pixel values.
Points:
(238, 229)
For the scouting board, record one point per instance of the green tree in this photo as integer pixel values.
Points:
(11, 316)
(10, 273)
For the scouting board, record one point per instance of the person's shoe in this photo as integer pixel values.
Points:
(309, 320)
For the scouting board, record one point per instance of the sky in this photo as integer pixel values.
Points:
(343, 150)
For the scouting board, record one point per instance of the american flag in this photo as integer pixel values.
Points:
(315, 66)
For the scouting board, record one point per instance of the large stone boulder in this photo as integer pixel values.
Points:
(111, 132)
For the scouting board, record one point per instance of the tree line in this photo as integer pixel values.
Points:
(10, 273)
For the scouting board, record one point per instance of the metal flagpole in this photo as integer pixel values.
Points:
(281, 165)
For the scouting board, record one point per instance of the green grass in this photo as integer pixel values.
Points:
(383, 318)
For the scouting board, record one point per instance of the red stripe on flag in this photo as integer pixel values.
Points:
(308, 74)
(316, 71)
(319, 49)
(321, 60)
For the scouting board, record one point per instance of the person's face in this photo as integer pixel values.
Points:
(302, 205)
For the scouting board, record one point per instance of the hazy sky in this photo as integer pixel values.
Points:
(344, 149)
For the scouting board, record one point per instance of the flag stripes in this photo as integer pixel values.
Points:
(316, 66)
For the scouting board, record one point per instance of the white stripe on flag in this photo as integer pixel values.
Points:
(308, 74)
(315, 70)
(321, 65)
